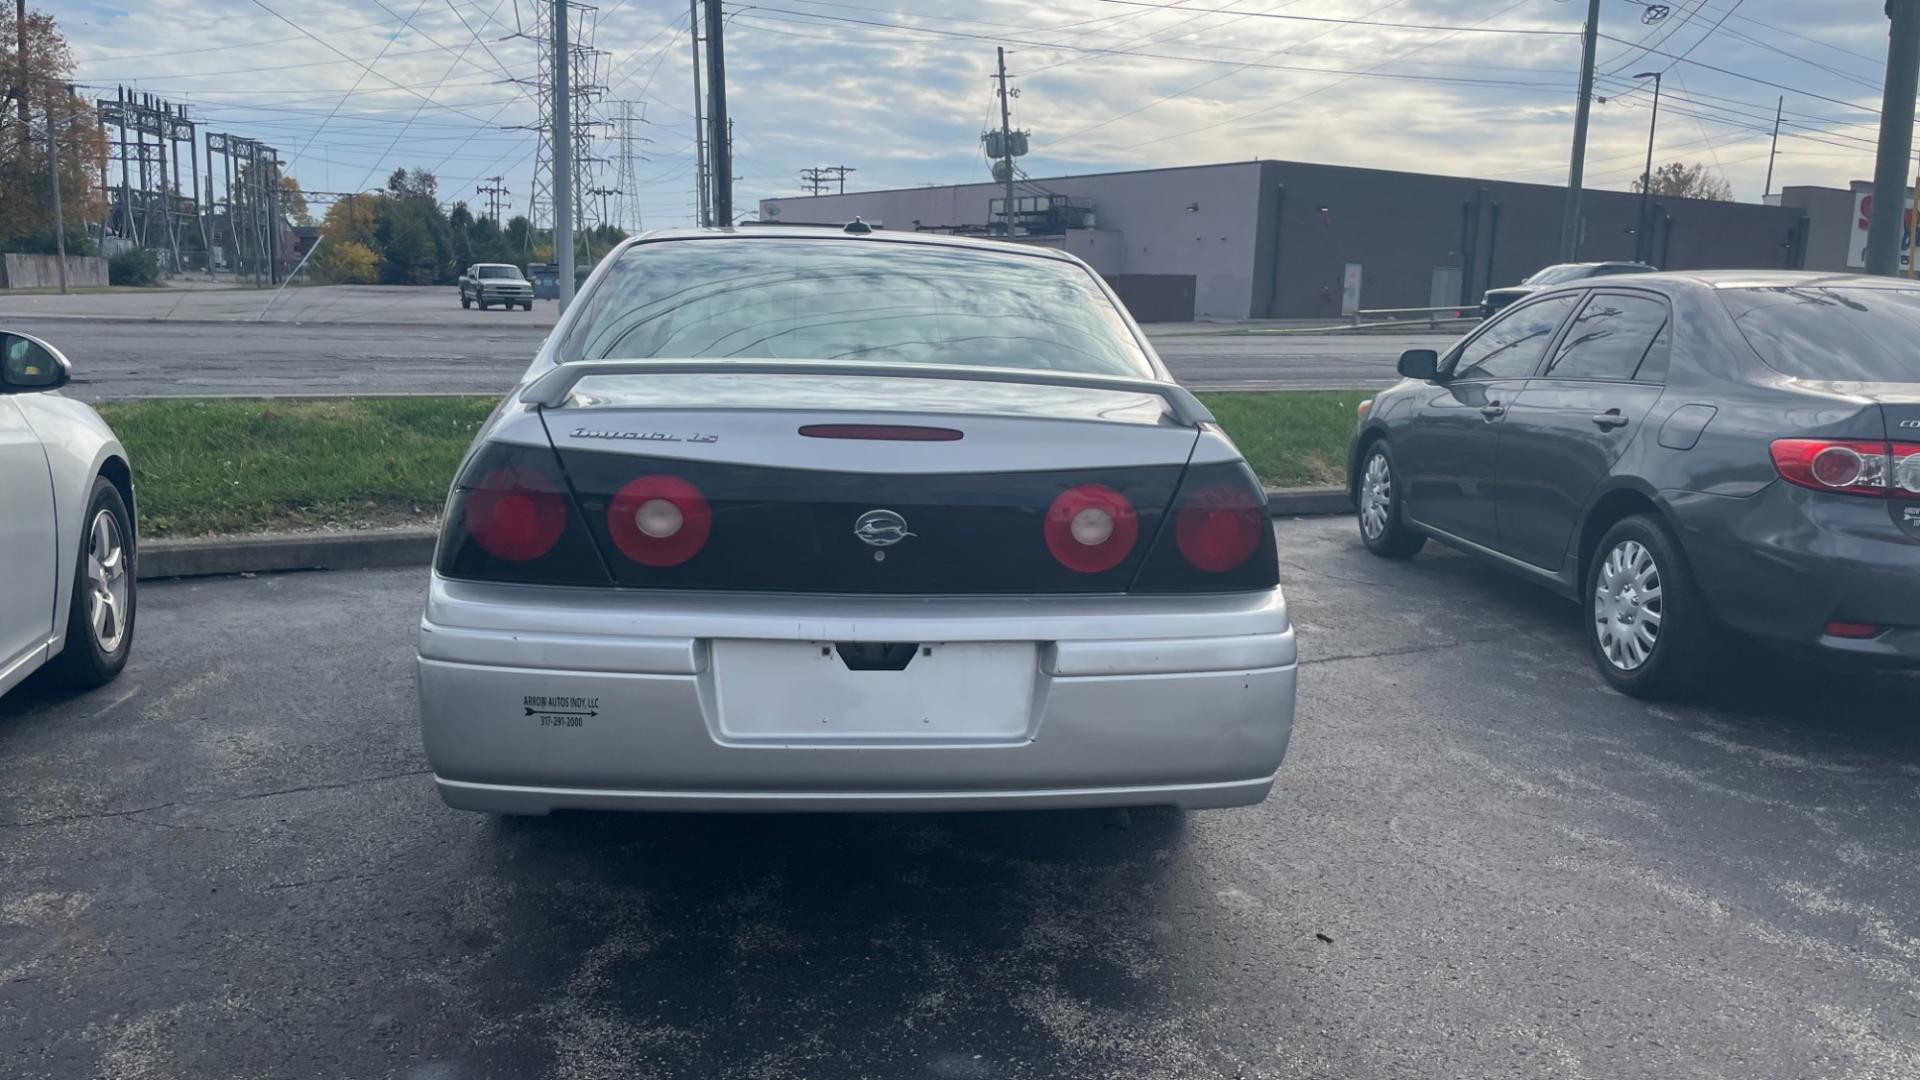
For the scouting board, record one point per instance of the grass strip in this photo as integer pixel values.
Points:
(248, 465)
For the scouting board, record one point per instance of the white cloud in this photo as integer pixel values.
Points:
(903, 102)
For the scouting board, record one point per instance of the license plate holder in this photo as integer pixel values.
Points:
(801, 691)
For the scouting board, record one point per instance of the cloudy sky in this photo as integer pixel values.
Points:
(900, 89)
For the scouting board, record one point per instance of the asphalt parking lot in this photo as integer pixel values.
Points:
(1479, 862)
(368, 339)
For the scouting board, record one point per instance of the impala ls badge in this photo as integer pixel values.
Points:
(881, 528)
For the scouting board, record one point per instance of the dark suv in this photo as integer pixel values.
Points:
(1682, 452)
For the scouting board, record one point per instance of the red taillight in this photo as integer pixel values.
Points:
(882, 432)
(1218, 527)
(659, 520)
(1091, 528)
(1856, 630)
(516, 513)
(1850, 466)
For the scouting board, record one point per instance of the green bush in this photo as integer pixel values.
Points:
(135, 266)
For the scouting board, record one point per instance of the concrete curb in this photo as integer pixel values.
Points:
(1308, 501)
(302, 551)
(216, 555)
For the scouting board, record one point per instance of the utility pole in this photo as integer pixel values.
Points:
(1577, 172)
(839, 172)
(1896, 137)
(272, 200)
(1778, 105)
(699, 118)
(562, 153)
(1006, 136)
(20, 90)
(1642, 241)
(719, 132)
(492, 189)
(814, 180)
(53, 172)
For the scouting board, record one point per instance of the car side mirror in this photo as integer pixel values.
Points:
(28, 364)
(1420, 364)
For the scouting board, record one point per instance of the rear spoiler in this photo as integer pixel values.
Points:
(552, 389)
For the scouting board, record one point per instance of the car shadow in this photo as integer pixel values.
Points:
(909, 944)
(1750, 686)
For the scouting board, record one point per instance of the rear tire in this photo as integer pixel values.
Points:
(1648, 629)
(1383, 524)
(101, 615)
(528, 306)
(465, 301)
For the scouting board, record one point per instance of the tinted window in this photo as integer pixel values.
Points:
(499, 272)
(1512, 345)
(818, 299)
(1610, 337)
(1872, 335)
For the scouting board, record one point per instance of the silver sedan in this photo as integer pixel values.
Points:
(66, 525)
(812, 519)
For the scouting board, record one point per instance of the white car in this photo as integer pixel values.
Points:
(819, 519)
(66, 525)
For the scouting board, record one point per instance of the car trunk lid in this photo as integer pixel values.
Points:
(831, 481)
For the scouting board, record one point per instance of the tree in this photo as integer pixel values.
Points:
(348, 262)
(293, 201)
(412, 184)
(407, 251)
(1682, 181)
(26, 207)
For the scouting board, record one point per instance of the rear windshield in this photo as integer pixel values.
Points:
(772, 298)
(1868, 335)
(499, 271)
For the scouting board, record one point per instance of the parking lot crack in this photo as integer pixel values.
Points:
(335, 785)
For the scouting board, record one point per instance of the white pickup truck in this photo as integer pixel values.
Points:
(487, 284)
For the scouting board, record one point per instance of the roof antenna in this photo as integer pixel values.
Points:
(857, 227)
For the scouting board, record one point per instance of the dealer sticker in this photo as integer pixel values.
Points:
(560, 711)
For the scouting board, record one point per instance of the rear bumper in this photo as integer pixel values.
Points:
(1180, 701)
(1782, 564)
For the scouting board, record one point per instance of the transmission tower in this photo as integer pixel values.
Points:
(584, 91)
(626, 182)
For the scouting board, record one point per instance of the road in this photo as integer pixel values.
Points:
(383, 340)
(1479, 862)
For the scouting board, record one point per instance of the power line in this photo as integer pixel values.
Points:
(1358, 22)
(398, 135)
(262, 4)
(758, 10)
(365, 70)
(1748, 78)
(1185, 90)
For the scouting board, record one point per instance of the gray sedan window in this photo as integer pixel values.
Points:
(1511, 346)
(818, 299)
(1610, 337)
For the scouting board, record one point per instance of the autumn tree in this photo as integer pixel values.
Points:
(1679, 180)
(36, 103)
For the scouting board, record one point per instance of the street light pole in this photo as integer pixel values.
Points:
(1642, 245)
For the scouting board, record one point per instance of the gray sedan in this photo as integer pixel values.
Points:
(811, 519)
(1684, 452)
